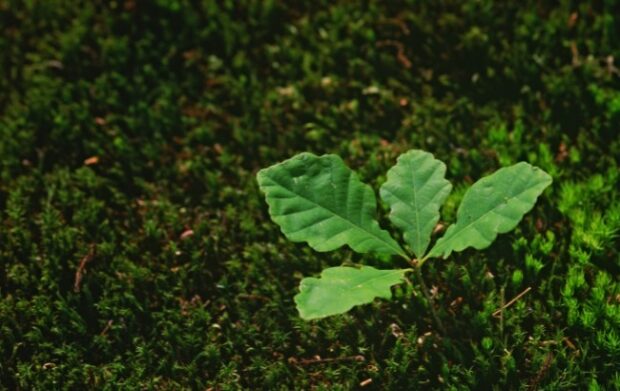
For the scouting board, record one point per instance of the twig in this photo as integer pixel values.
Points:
(400, 51)
(398, 22)
(107, 327)
(542, 372)
(81, 270)
(366, 382)
(511, 302)
(318, 360)
(428, 296)
(248, 296)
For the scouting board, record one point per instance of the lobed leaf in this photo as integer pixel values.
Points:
(493, 205)
(319, 200)
(341, 288)
(415, 190)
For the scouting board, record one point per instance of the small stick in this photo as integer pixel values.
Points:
(79, 273)
(107, 327)
(400, 51)
(511, 302)
(319, 360)
(248, 296)
(366, 382)
(542, 372)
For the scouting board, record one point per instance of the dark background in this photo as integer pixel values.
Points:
(136, 251)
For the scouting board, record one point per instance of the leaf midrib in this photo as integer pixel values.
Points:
(413, 205)
(386, 275)
(398, 250)
(416, 209)
(443, 245)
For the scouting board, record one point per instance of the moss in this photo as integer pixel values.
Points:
(130, 134)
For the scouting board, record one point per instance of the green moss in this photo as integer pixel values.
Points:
(186, 284)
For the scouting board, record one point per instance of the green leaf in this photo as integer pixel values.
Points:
(319, 200)
(341, 288)
(493, 205)
(415, 190)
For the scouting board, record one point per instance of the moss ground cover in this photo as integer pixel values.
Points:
(136, 250)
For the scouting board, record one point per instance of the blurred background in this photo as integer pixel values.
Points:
(136, 251)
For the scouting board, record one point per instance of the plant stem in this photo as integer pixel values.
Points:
(427, 294)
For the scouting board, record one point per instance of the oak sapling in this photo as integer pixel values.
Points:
(319, 200)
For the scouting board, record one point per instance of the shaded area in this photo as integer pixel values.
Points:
(130, 135)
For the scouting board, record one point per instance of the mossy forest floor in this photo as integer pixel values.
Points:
(136, 251)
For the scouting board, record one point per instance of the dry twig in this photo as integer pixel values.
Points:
(318, 360)
(498, 311)
(81, 270)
